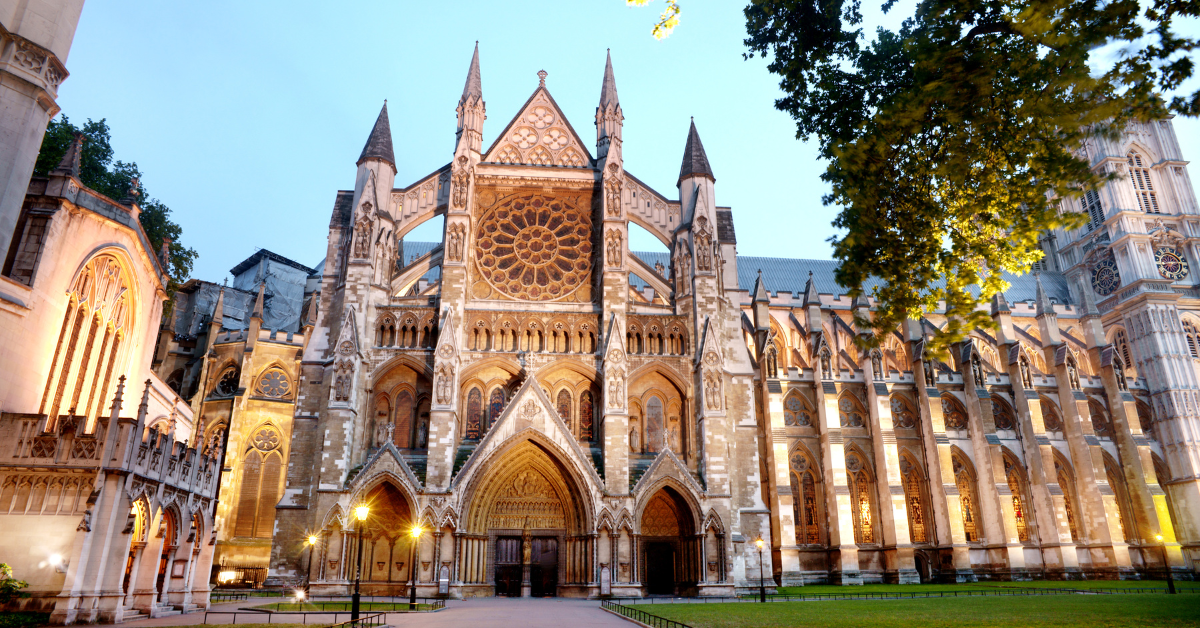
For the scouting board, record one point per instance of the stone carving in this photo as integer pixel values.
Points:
(977, 370)
(445, 384)
(422, 434)
(877, 365)
(826, 364)
(612, 247)
(1073, 375)
(534, 247)
(612, 195)
(362, 230)
(713, 398)
(343, 379)
(703, 239)
(460, 181)
(634, 443)
(454, 245)
(1026, 374)
(616, 388)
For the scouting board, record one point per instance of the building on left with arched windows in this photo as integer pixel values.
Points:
(106, 501)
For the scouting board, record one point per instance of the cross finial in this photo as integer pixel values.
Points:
(542, 74)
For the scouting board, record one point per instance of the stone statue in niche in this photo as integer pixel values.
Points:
(826, 365)
(930, 379)
(380, 434)
(703, 245)
(444, 376)
(423, 433)
(341, 388)
(1026, 374)
(612, 196)
(634, 444)
(712, 390)
(1073, 375)
(461, 180)
(454, 250)
(977, 371)
(613, 247)
(877, 365)
(673, 435)
(362, 231)
(616, 388)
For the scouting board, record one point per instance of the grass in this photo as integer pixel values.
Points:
(257, 626)
(814, 589)
(311, 607)
(23, 619)
(1108, 611)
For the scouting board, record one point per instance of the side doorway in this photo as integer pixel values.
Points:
(508, 566)
(543, 568)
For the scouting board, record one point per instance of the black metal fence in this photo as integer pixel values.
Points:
(641, 616)
(217, 597)
(344, 605)
(907, 595)
(362, 622)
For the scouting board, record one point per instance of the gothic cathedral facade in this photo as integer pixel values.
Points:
(564, 416)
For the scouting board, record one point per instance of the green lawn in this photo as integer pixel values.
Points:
(1109, 611)
(374, 607)
(982, 586)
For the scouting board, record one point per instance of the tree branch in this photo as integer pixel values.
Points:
(987, 29)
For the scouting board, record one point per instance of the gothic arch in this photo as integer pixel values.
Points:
(503, 363)
(798, 411)
(851, 412)
(1022, 502)
(1116, 480)
(863, 501)
(967, 481)
(916, 497)
(808, 496)
(1064, 475)
(381, 371)
(904, 412)
(712, 521)
(681, 490)
(279, 389)
(378, 479)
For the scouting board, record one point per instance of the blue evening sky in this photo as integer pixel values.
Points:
(246, 117)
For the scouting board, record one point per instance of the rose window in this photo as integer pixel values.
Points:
(274, 383)
(535, 248)
(266, 439)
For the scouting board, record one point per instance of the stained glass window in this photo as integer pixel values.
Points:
(474, 413)
(495, 406)
(585, 415)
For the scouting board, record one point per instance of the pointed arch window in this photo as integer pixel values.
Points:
(850, 412)
(862, 509)
(273, 384)
(914, 497)
(1192, 337)
(1066, 482)
(262, 471)
(495, 406)
(474, 413)
(1116, 480)
(965, 481)
(1090, 204)
(585, 415)
(795, 412)
(1143, 187)
(402, 434)
(804, 501)
(655, 428)
(1122, 346)
(1100, 421)
(1016, 486)
(564, 406)
(953, 414)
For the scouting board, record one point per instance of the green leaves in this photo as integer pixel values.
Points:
(952, 139)
(98, 171)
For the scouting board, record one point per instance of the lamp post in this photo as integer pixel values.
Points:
(762, 587)
(412, 567)
(1167, 564)
(311, 541)
(360, 513)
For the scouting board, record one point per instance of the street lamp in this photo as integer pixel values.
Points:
(762, 587)
(1167, 564)
(412, 567)
(360, 513)
(311, 541)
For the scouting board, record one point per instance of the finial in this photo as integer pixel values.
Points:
(542, 74)
(810, 274)
(133, 187)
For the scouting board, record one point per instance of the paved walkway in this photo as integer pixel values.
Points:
(477, 612)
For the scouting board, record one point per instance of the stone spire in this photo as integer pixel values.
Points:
(379, 143)
(1043, 304)
(695, 162)
(473, 90)
(810, 292)
(1000, 304)
(608, 90)
(69, 166)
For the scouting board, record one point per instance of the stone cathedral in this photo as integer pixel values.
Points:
(563, 416)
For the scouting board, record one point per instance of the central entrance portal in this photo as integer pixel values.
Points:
(660, 569)
(543, 568)
(508, 566)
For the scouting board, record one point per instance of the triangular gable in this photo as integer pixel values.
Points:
(667, 464)
(388, 461)
(540, 135)
(709, 344)
(347, 343)
(530, 410)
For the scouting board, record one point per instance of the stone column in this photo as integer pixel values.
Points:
(889, 485)
(844, 557)
(778, 478)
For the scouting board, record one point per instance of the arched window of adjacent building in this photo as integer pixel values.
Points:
(495, 406)
(586, 410)
(1116, 480)
(861, 489)
(262, 470)
(1066, 482)
(89, 341)
(953, 413)
(964, 478)
(1100, 421)
(564, 407)
(1015, 474)
(402, 434)
(474, 413)
(914, 497)
(273, 384)
(1193, 338)
(805, 502)
(1143, 187)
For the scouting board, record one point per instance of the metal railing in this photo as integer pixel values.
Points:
(907, 595)
(641, 616)
(267, 617)
(377, 619)
(222, 596)
(344, 606)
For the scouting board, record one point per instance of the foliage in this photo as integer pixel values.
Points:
(10, 587)
(953, 142)
(23, 619)
(666, 22)
(98, 171)
(1161, 611)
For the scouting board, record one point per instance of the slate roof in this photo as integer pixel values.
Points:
(474, 84)
(343, 209)
(725, 233)
(695, 161)
(608, 90)
(261, 253)
(379, 143)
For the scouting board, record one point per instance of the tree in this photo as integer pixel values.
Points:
(954, 141)
(98, 171)
(10, 588)
(666, 22)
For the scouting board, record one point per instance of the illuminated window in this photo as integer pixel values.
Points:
(860, 493)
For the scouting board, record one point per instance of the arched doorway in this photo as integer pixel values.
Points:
(387, 545)
(526, 530)
(669, 547)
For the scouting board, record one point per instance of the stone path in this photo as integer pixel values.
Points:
(476, 613)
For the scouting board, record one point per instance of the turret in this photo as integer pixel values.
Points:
(1047, 319)
(762, 313)
(256, 317)
(471, 109)
(1002, 316)
(609, 118)
(696, 178)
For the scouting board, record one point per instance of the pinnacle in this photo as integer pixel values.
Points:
(695, 162)
(70, 162)
(379, 143)
(474, 86)
(608, 90)
(1044, 305)
(760, 290)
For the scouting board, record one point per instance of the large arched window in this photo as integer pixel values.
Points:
(795, 411)
(914, 497)
(964, 478)
(495, 406)
(586, 409)
(953, 413)
(1116, 480)
(89, 341)
(655, 425)
(805, 503)
(1066, 482)
(1100, 421)
(1143, 187)
(1193, 338)
(262, 470)
(863, 512)
(1014, 473)
(564, 407)
(474, 414)
(1003, 414)
(851, 412)
(403, 432)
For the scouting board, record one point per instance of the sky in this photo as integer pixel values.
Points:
(245, 118)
